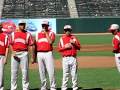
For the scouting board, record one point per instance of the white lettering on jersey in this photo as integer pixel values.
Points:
(20, 40)
(42, 40)
(1, 43)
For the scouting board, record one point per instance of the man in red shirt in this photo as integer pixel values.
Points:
(114, 29)
(44, 42)
(20, 41)
(68, 46)
(4, 43)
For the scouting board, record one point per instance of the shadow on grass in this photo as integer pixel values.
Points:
(60, 89)
(93, 89)
(80, 88)
(35, 89)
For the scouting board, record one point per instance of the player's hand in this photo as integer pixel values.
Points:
(72, 41)
(16, 58)
(68, 45)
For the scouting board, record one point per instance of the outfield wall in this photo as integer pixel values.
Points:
(79, 25)
(86, 25)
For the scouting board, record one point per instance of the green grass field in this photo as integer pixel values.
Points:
(90, 40)
(88, 78)
(105, 78)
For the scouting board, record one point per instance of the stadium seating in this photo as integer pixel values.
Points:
(98, 7)
(59, 8)
(35, 8)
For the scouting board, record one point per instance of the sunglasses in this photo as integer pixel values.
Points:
(44, 25)
(67, 30)
(22, 24)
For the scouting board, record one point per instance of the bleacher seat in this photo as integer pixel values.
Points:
(35, 8)
(98, 7)
(59, 8)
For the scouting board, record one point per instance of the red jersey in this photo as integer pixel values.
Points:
(4, 43)
(42, 43)
(65, 40)
(116, 42)
(21, 40)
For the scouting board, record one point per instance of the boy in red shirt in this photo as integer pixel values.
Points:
(114, 29)
(21, 40)
(4, 43)
(68, 46)
(44, 42)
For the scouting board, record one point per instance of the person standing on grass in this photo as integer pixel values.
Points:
(21, 42)
(44, 42)
(4, 43)
(68, 46)
(114, 29)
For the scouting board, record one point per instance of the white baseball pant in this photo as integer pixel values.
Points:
(24, 64)
(69, 69)
(46, 63)
(117, 60)
(1, 72)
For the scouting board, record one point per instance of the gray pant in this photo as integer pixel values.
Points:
(46, 62)
(69, 69)
(117, 60)
(24, 64)
(1, 72)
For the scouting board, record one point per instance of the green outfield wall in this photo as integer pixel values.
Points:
(86, 25)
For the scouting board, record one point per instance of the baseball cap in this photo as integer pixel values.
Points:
(21, 22)
(113, 27)
(45, 22)
(67, 27)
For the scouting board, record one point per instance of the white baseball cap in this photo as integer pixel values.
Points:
(21, 21)
(67, 27)
(45, 22)
(113, 27)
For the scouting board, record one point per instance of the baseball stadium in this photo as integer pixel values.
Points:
(90, 21)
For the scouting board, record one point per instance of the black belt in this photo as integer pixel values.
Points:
(42, 51)
(70, 56)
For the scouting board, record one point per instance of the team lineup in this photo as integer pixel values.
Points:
(21, 42)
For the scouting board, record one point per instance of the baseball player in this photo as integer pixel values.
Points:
(114, 29)
(68, 46)
(4, 43)
(44, 41)
(20, 42)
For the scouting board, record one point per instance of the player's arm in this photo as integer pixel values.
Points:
(32, 54)
(62, 47)
(51, 38)
(116, 44)
(6, 55)
(7, 49)
(75, 42)
(31, 44)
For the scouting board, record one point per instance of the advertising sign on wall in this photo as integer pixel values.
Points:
(32, 25)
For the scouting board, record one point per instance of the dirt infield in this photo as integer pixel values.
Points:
(87, 62)
(93, 48)
(90, 61)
